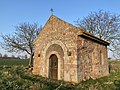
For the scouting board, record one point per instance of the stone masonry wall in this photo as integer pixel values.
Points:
(92, 59)
(79, 58)
(60, 34)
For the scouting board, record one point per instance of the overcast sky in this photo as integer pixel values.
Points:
(14, 12)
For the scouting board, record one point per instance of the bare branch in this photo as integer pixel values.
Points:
(104, 25)
(22, 39)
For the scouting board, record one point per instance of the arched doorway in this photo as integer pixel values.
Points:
(53, 67)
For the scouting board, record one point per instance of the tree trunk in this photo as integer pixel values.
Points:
(31, 60)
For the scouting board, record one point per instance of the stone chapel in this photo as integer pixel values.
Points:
(66, 52)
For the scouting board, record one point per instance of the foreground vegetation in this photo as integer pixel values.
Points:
(15, 75)
(20, 78)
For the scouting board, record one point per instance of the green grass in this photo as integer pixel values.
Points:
(15, 76)
(20, 78)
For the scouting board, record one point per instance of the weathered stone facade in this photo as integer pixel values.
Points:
(79, 55)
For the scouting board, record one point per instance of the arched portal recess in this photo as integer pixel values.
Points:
(53, 67)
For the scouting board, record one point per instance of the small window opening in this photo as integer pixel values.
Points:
(69, 53)
(101, 58)
(38, 55)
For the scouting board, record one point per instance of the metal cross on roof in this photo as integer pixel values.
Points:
(51, 11)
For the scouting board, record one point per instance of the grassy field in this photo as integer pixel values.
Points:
(15, 75)
(13, 62)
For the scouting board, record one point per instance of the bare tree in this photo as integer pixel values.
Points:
(104, 25)
(0, 54)
(5, 56)
(25, 57)
(21, 40)
(12, 56)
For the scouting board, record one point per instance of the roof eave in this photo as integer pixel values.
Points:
(90, 36)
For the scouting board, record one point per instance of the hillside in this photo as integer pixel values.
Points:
(16, 76)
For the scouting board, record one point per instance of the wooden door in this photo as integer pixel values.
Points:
(53, 67)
